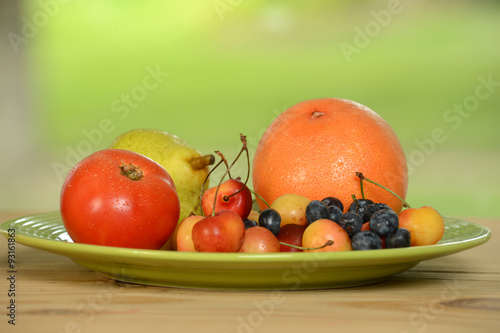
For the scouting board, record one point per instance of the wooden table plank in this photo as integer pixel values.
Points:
(457, 293)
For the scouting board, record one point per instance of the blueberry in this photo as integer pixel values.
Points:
(270, 219)
(335, 213)
(359, 206)
(384, 222)
(366, 240)
(399, 238)
(332, 201)
(372, 209)
(249, 223)
(351, 223)
(316, 210)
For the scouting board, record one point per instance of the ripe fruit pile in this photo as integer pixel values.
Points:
(295, 223)
(309, 166)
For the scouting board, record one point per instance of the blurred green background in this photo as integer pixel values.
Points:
(76, 74)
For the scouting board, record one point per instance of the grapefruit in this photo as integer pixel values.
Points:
(315, 148)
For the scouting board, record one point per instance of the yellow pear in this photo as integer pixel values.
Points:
(187, 166)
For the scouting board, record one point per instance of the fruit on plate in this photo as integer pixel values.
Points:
(183, 237)
(411, 227)
(260, 240)
(315, 147)
(291, 234)
(320, 232)
(222, 232)
(425, 224)
(292, 208)
(119, 198)
(231, 194)
(187, 166)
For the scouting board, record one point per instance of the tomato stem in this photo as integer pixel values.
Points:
(131, 171)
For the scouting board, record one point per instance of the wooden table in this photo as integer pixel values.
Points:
(457, 293)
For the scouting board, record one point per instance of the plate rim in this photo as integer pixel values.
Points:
(417, 253)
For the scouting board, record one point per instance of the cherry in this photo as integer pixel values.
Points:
(291, 234)
(425, 224)
(184, 233)
(292, 208)
(323, 231)
(222, 232)
(231, 195)
(260, 240)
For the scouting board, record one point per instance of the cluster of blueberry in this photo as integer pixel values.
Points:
(369, 225)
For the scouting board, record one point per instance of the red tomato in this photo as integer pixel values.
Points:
(102, 205)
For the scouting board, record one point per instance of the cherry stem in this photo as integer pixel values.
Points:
(244, 148)
(220, 181)
(356, 201)
(261, 198)
(224, 160)
(362, 177)
(204, 183)
(362, 189)
(328, 243)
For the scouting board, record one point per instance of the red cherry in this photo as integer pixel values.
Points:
(222, 232)
(232, 195)
(291, 234)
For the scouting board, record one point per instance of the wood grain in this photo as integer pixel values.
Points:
(457, 293)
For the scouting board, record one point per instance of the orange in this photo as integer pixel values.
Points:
(315, 148)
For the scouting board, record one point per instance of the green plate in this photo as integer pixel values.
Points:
(283, 271)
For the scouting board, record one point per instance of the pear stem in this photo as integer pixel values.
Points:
(200, 162)
(362, 177)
